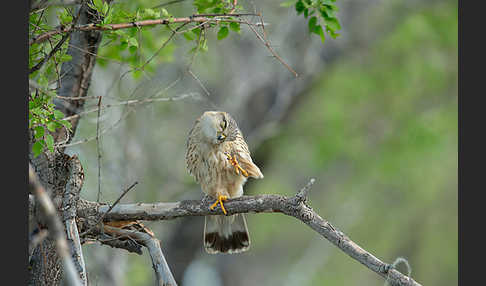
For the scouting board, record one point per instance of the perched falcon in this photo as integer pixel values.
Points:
(218, 158)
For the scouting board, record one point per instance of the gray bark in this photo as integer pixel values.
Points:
(51, 168)
(163, 274)
(295, 206)
(69, 205)
(83, 47)
(56, 230)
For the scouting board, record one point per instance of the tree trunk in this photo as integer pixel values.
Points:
(53, 170)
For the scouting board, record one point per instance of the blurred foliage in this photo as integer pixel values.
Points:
(379, 132)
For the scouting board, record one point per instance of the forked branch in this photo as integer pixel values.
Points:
(163, 274)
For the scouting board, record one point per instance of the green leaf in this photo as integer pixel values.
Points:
(333, 24)
(58, 114)
(189, 36)
(132, 49)
(66, 124)
(132, 42)
(204, 46)
(312, 24)
(222, 33)
(320, 32)
(66, 58)
(123, 45)
(299, 7)
(217, 10)
(235, 27)
(287, 3)
(137, 74)
(105, 7)
(51, 126)
(39, 132)
(50, 142)
(98, 5)
(37, 148)
(164, 12)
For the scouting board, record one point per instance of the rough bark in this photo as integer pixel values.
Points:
(69, 205)
(295, 206)
(83, 47)
(52, 168)
(56, 230)
(163, 274)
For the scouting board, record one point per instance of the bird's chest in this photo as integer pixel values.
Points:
(214, 168)
(216, 165)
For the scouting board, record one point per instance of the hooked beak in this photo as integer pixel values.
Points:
(221, 137)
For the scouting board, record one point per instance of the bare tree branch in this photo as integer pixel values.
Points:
(56, 230)
(163, 274)
(294, 206)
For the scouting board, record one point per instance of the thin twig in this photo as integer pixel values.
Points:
(132, 102)
(167, 3)
(111, 207)
(199, 82)
(94, 137)
(98, 148)
(51, 53)
(269, 47)
(302, 194)
(161, 47)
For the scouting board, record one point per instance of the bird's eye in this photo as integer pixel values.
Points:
(224, 123)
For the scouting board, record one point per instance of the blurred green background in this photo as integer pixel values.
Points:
(375, 122)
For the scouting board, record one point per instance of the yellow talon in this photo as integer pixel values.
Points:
(236, 165)
(219, 201)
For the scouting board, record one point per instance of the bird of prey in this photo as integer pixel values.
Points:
(218, 158)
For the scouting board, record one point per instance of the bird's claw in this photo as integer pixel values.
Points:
(219, 201)
(237, 166)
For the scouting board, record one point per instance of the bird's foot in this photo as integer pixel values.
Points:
(237, 166)
(219, 201)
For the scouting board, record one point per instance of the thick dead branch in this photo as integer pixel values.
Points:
(56, 230)
(163, 274)
(292, 206)
(69, 203)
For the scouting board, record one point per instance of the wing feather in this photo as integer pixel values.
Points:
(244, 158)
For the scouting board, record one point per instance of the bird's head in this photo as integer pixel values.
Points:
(218, 127)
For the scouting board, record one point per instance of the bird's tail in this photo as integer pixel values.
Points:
(226, 234)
